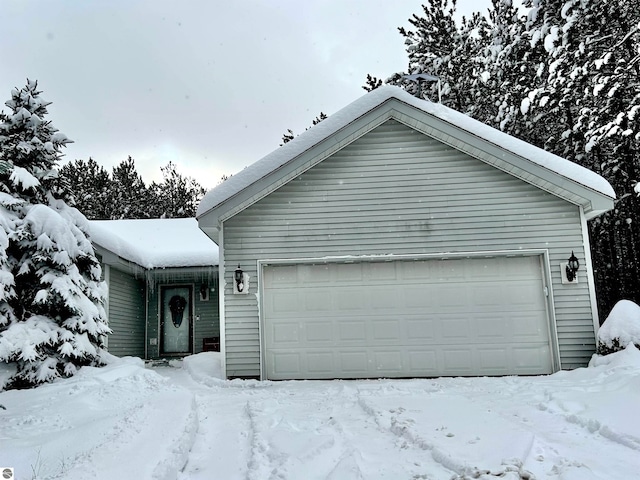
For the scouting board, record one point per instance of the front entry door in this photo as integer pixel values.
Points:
(176, 319)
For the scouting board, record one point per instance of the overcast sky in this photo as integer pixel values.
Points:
(208, 85)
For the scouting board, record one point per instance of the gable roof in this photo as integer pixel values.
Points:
(538, 167)
(156, 243)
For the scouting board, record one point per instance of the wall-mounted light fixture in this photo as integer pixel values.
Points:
(240, 281)
(571, 269)
(204, 292)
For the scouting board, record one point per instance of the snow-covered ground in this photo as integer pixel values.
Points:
(181, 421)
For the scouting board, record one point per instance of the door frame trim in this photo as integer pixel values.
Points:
(545, 268)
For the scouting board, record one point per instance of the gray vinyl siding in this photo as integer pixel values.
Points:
(126, 314)
(396, 191)
(206, 313)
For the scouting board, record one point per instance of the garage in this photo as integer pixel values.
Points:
(400, 238)
(406, 318)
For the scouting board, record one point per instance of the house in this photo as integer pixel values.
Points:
(400, 238)
(162, 276)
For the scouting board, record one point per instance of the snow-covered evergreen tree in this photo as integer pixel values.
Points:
(130, 197)
(176, 196)
(587, 111)
(438, 46)
(52, 316)
(90, 186)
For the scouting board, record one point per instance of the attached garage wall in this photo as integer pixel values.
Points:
(396, 191)
(126, 314)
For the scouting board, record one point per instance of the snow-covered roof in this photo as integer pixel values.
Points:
(156, 243)
(571, 173)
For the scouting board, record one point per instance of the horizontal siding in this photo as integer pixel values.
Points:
(396, 191)
(242, 339)
(126, 315)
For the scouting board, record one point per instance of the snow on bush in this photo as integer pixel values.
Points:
(620, 329)
(52, 315)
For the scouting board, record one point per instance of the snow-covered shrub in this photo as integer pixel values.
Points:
(52, 315)
(620, 329)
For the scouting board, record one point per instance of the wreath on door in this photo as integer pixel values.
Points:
(177, 305)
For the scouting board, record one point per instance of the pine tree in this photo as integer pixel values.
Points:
(372, 83)
(583, 106)
(91, 187)
(609, 140)
(177, 196)
(52, 299)
(130, 197)
(501, 65)
(289, 135)
(101, 196)
(437, 46)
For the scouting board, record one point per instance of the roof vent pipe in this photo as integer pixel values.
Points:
(416, 77)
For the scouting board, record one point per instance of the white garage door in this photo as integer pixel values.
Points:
(471, 316)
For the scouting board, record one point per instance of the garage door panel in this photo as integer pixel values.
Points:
(321, 363)
(422, 362)
(494, 359)
(318, 332)
(380, 298)
(456, 329)
(386, 331)
(285, 332)
(314, 274)
(489, 295)
(382, 272)
(350, 273)
(406, 318)
(493, 327)
(286, 364)
(282, 301)
(520, 294)
(420, 330)
(458, 361)
(387, 362)
(352, 363)
(317, 300)
(350, 299)
(285, 276)
(450, 298)
(350, 332)
(526, 329)
(528, 359)
(417, 297)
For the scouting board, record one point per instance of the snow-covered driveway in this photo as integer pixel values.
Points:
(541, 427)
(183, 422)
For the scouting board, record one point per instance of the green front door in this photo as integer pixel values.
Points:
(176, 326)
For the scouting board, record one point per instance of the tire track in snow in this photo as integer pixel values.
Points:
(590, 424)
(458, 469)
(551, 454)
(144, 424)
(285, 444)
(338, 441)
(222, 444)
(392, 455)
(567, 410)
